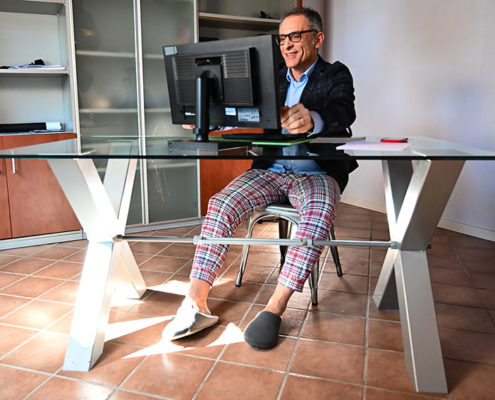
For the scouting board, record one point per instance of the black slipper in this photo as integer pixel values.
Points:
(262, 332)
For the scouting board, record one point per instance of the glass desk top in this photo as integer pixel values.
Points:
(105, 147)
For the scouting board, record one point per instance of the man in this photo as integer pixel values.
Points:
(319, 98)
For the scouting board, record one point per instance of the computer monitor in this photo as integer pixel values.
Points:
(232, 82)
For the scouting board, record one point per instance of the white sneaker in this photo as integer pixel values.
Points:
(188, 320)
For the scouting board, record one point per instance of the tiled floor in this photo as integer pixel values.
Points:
(342, 349)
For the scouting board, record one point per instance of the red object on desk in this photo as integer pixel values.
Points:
(394, 140)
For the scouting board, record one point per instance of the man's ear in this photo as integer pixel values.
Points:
(318, 40)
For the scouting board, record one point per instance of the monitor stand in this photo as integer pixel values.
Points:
(202, 127)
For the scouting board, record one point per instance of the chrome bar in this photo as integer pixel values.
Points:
(242, 241)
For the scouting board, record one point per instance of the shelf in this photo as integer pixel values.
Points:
(107, 54)
(34, 72)
(116, 54)
(122, 110)
(46, 7)
(236, 22)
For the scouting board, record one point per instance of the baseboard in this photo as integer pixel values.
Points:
(455, 226)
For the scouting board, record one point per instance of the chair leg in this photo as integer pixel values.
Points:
(251, 222)
(313, 283)
(283, 233)
(335, 253)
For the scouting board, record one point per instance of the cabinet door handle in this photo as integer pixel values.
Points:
(13, 163)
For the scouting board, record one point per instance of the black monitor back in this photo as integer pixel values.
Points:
(244, 77)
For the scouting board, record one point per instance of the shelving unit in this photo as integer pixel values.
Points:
(33, 30)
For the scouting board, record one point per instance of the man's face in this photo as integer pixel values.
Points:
(300, 55)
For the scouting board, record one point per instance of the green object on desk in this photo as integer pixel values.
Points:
(261, 142)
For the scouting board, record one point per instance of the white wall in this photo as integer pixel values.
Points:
(423, 67)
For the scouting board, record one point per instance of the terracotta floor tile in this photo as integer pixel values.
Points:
(387, 369)
(63, 325)
(228, 311)
(239, 382)
(461, 269)
(345, 283)
(468, 346)
(374, 312)
(55, 252)
(292, 321)
(443, 261)
(208, 343)
(483, 263)
(487, 297)
(329, 360)
(299, 300)
(32, 286)
(335, 328)
(172, 375)
(468, 318)
(252, 273)
(354, 253)
(441, 249)
(163, 264)
(7, 259)
(141, 258)
(38, 314)
(44, 352)
(383, 394)
(20, 383)
(448, 276)
(226, 289)
(24, 251)
(158, 304)
(7, 278)
(153, 278)
(351, 266)
(114, 365)
(62, 389)
(276, 358)
(385, 335)
(456, 295)
(77, 244)
(148, 247)
(27, 265)
(342, 303)
(352, 233)
(77, 257)
(468, 381)
(61, 270)
(299, 387)
(9, 304)
(483, 280)
(136, 330)
(13, 337)
(179, 250)
(263, 258)
(124, 395)
(65, 293)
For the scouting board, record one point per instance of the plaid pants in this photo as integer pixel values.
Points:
(315, 197)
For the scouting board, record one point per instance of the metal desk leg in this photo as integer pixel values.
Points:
(416, 195)
(102, 210)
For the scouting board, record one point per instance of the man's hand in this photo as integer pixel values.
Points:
(296, 119)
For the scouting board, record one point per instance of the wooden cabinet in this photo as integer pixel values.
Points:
(31, 201)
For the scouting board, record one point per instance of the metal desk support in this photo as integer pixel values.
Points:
(416, 193)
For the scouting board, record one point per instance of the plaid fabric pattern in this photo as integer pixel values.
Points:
(315, 197)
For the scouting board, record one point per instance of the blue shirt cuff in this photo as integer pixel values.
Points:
(318, 123)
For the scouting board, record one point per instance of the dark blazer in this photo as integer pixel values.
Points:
(329, 92)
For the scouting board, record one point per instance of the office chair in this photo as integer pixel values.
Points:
(287, 217)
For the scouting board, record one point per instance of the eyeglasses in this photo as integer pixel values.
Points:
(294, 37)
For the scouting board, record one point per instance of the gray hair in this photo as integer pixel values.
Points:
(313, 17)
